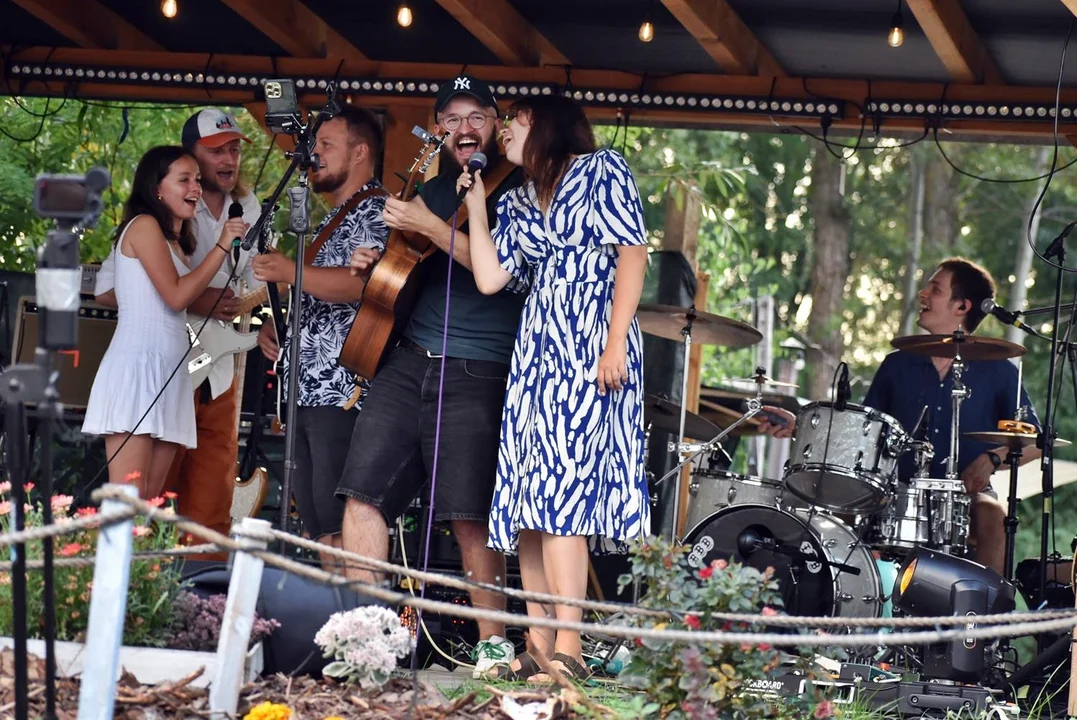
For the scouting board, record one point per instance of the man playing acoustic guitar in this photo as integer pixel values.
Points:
(392, 448)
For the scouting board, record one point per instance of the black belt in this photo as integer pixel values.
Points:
(416, 347)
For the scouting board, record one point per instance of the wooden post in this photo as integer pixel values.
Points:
(243, 589)
(691, 402)
(108, 607)
(401, 147)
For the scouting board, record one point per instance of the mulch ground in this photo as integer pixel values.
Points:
(308, 699)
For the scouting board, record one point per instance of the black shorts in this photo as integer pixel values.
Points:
(321, 446)
(392, 448)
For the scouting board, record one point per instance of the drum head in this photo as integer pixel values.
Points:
(763, 537)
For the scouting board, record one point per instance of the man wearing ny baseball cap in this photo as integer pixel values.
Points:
(391, 452)
(203, 478)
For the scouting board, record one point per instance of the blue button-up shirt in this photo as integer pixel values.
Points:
(905, 383)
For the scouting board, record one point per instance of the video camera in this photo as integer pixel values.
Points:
(71, 199)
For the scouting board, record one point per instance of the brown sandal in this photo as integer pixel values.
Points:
(529, 667)
(573, 670)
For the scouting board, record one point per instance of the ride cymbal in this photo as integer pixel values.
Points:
(1014, 441)
(972, 347)
(667, 321)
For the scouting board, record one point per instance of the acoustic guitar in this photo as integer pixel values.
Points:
(391, 289)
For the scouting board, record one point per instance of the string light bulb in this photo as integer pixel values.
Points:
(169, 8)
(404, 16)
(646, 31)
(896, 35)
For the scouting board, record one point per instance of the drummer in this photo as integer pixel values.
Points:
(906, 383)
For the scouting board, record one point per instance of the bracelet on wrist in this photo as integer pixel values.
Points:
(222, 248)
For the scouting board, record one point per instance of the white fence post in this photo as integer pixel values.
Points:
(243, 589)
(108, 607)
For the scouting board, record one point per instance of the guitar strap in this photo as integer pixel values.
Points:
(327, 231)
(497, 176)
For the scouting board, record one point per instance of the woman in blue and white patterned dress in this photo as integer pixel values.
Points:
(570, 467)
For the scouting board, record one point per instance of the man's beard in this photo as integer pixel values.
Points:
(211, 185)
(324, 183)
(449, 163)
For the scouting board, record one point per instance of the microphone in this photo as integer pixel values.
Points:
(1006, 317)
(844, 389)
(235, 210)
(476, 162)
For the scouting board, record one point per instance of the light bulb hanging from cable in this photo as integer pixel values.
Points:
(646, 28)
(404, 16)
(169, 8)
(897, 34)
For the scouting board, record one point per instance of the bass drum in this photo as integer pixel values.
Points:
(805, 550)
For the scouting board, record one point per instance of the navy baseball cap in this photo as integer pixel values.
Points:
(465, 85)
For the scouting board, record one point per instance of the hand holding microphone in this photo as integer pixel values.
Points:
(235, 210)
(471, 177)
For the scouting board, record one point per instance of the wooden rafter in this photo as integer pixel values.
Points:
(297, 29)
(761, 88)
(955, 41)
(89, 24)
(505, 32)
(725, 37)
(1071, 5)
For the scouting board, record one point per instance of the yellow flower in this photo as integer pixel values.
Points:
(268, 711)
(334, 717)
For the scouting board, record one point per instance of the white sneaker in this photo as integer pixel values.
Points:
(491, 652)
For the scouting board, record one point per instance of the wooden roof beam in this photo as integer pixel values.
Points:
(505, 32)
(1071, 5)
(955, 42)
(297, 29)
(89, 24)
(725, 37)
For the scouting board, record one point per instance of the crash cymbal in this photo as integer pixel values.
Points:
(667, 321)
(732, 398)
(972, 347)
(762, 379)
(662, 414)
(1010, 440)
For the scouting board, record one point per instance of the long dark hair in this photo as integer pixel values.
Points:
(152, 169)
(559, 131)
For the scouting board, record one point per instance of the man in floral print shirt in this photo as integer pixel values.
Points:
(348, 147)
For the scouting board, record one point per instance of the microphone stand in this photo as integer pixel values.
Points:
(303, 159)
(1046, 440)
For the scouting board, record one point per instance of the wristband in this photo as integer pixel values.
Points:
(221, 248)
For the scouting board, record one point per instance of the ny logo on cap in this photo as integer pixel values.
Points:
(462, 83)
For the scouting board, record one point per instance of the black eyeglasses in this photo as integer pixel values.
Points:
(476, 120)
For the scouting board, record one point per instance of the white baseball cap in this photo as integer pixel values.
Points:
(211, 127)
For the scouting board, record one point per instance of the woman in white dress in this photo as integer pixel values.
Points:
(141, 403)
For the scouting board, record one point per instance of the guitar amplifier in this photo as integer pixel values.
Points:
(77, 367)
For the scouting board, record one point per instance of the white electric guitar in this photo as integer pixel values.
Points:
(219, 339)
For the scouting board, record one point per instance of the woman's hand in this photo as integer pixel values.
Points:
(234, 228)
(477, 191)
(612, 366)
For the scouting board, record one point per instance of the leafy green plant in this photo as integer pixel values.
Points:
(154, 583)
(699, 681)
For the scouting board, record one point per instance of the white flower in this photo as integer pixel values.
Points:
(365, 644)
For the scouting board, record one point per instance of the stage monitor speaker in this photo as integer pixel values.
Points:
(77, 367)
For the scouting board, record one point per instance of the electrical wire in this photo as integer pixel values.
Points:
(1003, 181)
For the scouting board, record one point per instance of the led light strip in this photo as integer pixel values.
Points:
(954, 110)
(595, 97)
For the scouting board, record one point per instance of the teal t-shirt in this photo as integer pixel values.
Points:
(481, 327)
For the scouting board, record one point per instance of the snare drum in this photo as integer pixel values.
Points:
(904, 524)
(845, 460)
(712, 490)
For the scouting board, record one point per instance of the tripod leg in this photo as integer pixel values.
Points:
(15, 430)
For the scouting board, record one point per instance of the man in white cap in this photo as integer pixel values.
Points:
(203, 478)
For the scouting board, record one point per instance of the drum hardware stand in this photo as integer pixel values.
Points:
(946, 493)
(686, 332)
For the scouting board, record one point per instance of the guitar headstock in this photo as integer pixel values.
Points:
(431, 147)
(268, 237)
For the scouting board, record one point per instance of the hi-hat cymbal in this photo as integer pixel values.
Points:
(761, 379)
(667, 321)
(724, 416)
(972, 347)
(1011, 440)
(662, 414)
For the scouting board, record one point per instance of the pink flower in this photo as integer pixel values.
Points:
(692, 621)
(157, 501)
(5, 487)
(719, 565)
(169, 495)
(132, 477)
(140, 531)
(769, 611)
(5, 507)
(825, 709)
(86, 511)
(28, 487)
(70, 549)
(62, 502)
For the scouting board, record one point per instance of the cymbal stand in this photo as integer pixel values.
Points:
(949, 521)
(958, 395)
(1013, 459)
(686, 332)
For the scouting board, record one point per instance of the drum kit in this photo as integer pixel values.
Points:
(837, 524)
